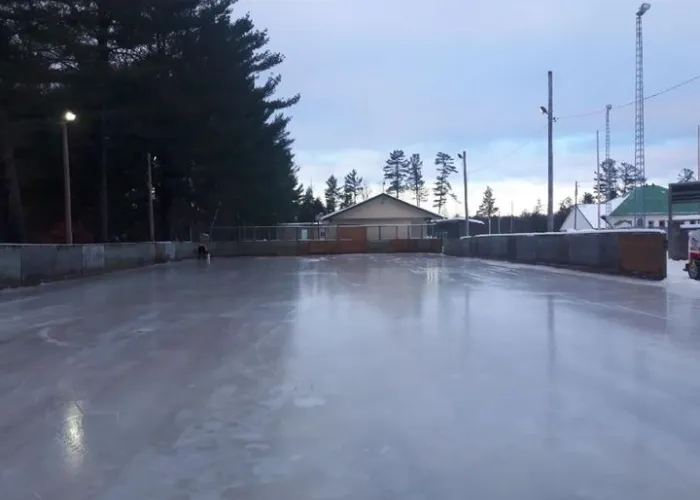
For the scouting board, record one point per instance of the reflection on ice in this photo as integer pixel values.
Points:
(72, 437)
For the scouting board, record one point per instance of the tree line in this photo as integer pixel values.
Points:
(405, 174)
(528, 221)
(188, 82)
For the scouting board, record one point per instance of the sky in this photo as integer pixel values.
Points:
(450, 75)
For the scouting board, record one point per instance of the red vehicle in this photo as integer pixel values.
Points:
(693, 265)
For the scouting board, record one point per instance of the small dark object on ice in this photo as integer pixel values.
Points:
(202, 252)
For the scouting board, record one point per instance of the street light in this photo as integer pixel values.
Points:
(463, 156)
(549, 110)
(643, 8)
(68, 117)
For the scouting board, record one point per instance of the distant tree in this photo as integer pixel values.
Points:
(351, 189)
(396, 173)
(416, 183)
(566, 204)
(588, 199)
(365, 191)
(629, 178)
(538, 208)
(605, 181)
(445, 167)
(488, 207)
(310, 206)
(686, 175)
(332, 194)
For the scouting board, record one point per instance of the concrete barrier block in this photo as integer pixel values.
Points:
(185, 250)
(10, 266)
(93, 259)
(608, 252)
(584, 249)
(50, 262)
(126, 255)
(525, 248)
(552, 249)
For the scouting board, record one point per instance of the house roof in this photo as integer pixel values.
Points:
(651, 199)
(590, 212)
(427, 213)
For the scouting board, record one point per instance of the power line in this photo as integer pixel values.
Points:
(510, 153)
(631, 103)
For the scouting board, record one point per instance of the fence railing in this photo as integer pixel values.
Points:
(322, 232)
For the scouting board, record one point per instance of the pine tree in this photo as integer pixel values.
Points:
(587, 199)
(629, 177)
(488, 207)
(396, 173)
(351, 189)
(538, 208)
(686, 175)
(445, 167)
(605, 182)
(332, 194)
(416, 182)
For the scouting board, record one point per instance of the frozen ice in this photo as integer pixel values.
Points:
(351, 377)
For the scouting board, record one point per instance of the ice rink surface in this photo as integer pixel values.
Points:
(353, 378)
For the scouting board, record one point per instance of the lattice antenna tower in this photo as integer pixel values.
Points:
(639, 101)
(608, 205)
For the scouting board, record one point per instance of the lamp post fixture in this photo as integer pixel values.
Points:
(463, 156)
(549, 111)
(68, 117)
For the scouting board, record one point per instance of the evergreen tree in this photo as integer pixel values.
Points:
(151, 76)
(538, 208)
(629, 177)
(445, 167)
(686, 175)
(587, 199)
(566, 204)
(488, 207)
(396, 173)
(605, 182)
(352, 188)
(311, 207)
(416, 182)
(332, 194)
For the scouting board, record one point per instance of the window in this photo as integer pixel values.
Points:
(662, 223)
(650, 223)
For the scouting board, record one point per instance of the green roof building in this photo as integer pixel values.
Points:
(649, 202)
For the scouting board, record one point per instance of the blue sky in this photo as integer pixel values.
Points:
(449, 75)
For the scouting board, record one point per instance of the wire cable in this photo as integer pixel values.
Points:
(510, 153)
(631, 103)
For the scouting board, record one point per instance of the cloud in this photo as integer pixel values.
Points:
(452, 75)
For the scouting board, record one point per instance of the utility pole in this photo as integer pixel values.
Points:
(597, 177)
(463, 156)
(576, 205)
(698, 177)
(67, 208)
(151, 222)
(550, 155)
(512, 216)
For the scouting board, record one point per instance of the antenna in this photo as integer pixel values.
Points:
(609, 180)
(639, 163)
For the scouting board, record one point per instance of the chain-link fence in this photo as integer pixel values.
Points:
(321, 232)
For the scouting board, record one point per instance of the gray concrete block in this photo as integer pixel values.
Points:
(127, 255)
(525, 248)
(609, 260)
(185, 250)
(93, 259)
(50, 262)
(552, 249)
(10, 265)
(584, 249)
